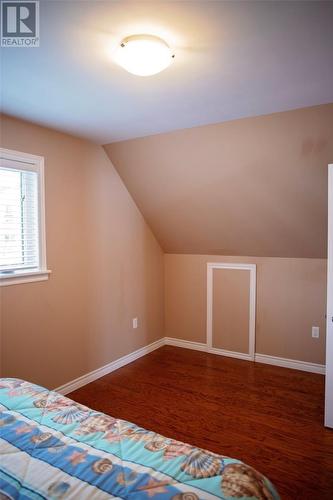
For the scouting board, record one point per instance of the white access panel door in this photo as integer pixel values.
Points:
(329, 328)
(248, 352)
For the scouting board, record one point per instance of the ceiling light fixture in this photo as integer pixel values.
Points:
(144, 55)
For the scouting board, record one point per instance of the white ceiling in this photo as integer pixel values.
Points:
(233, 59)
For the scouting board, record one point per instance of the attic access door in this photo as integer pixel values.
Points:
(231, 306)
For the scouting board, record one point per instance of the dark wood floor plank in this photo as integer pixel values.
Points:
(269, 417)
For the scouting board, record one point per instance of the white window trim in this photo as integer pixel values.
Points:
(36, 163)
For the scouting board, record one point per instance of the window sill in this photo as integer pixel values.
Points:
(23, 277)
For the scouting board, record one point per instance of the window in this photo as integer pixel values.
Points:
(22, 226)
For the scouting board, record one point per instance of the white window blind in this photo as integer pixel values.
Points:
(22, 236)
(19, 238)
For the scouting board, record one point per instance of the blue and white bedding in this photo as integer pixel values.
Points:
(54, 448)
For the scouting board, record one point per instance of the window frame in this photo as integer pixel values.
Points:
(36, 164)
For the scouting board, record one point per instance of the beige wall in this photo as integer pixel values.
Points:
(291, 297)
(107, 267)
(254, 186)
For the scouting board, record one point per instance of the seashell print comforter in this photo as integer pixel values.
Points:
(54, 448)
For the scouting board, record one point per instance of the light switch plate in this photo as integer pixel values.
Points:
(315, 332)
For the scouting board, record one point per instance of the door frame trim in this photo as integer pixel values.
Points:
(329, 312)
(252, 268)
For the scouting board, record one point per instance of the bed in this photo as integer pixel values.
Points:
(54, 448)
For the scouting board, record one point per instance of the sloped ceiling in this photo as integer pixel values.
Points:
(233, 59)
(254, 186)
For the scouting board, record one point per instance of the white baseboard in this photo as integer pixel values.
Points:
(199, 346)
(110, 367)
(186, 344)
(305, 366)
(230, 354)
(259, 358)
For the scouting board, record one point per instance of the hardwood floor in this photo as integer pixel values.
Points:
(269, 417)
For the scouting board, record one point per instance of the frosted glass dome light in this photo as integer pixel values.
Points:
(144, 55)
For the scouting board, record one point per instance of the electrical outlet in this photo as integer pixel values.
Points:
(135, 322)
(315, 332)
